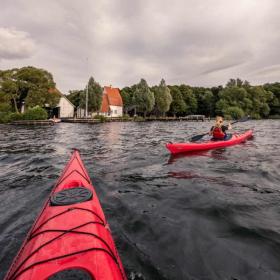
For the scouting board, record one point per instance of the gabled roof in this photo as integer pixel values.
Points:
(114, 96)
(105, 104)
(55, 90)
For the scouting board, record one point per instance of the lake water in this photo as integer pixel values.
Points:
(214, 215)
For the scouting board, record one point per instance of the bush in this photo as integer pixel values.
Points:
(16, 116)
(274, 117)
(138, 119)
(4, 117)
(100, 117)
(255, 116)
(126, 118)
(35, 113)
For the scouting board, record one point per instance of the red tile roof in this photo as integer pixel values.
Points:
(105, 104)
(114, 96)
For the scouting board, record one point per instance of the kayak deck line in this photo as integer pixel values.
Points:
(69, 209)
(66, 236)
(57, 258)
(62, 256)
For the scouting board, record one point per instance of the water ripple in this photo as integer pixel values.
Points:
(208, 215)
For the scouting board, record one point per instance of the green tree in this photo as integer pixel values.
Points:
(205, 101)
(5, 102)
(233, 96)
(127, 94)
(274, 103)
(178, 105)
(42, 97)
(237, 83)
(75, 97)
(10, 89)
(28, 84)
(143, 98)
(189, 98)
(233, 112)
(95, 93)
(163, 98)
(260, 99)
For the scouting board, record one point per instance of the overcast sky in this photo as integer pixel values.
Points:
(197, 42)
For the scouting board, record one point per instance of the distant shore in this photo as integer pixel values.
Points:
(196, 118)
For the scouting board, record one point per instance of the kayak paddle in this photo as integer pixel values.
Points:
(198, 137)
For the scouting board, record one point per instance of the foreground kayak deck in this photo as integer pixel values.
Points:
(71, 233)
(176, 148)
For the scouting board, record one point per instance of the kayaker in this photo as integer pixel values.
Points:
(218, 131)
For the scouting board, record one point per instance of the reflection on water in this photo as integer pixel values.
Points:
(207, 215)
(218, 154)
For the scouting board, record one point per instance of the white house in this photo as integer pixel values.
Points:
(64, 109)
(112, 104)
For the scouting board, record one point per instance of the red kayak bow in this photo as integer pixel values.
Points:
(71, 234)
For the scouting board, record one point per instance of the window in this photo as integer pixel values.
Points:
(116, 111)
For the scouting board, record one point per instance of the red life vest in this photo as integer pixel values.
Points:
(218, 133)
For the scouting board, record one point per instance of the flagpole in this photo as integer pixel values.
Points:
(87, 94)
(87, 101)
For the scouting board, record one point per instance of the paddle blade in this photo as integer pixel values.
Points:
(244, 119)
(197, 137)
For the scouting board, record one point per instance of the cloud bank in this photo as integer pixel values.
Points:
(15, 44)
(196, 42)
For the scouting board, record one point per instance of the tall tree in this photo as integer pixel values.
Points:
(206, 100)
(28, 84)
(260, 99)
(274, 103)
(9, 87)
(75, 97)
(237, 83)
(94, 96)
(163, 98)
(178, 105)
(189, 98)
(144, 98)
(128, 99)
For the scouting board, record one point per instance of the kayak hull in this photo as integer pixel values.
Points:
(176, 148)
(72, 236)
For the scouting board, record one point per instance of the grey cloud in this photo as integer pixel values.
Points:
(185, 41)
(15, 44)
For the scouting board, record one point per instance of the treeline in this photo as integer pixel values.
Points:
(30, 87)
(236, 99)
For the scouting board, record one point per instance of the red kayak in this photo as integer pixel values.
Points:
(71, 237)
(176, 148)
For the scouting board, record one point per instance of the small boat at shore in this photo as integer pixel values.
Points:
(55, 120)
(235, 139)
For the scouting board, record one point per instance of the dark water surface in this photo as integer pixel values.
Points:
(215, 215)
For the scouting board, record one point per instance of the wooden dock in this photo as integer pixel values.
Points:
(193, 118)
(84, 120)
(131, 119)
(33, 122)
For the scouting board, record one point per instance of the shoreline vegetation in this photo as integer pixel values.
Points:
(30, 90)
